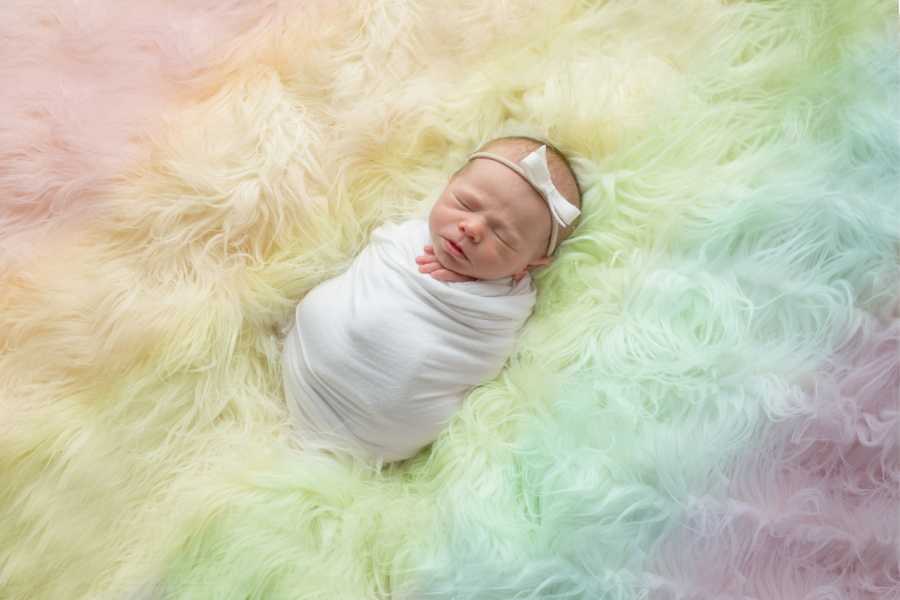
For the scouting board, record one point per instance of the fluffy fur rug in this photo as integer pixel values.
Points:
(704, 404)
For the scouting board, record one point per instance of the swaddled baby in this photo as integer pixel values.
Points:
(380, 357)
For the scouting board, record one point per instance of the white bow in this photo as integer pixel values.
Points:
(535, 167)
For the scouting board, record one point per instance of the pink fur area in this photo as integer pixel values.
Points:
(811, 513)
(80, 81)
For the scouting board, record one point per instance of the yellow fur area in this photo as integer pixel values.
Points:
(142, 420)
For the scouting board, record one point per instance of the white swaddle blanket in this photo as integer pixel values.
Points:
(380, 357)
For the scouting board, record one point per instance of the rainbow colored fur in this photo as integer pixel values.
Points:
(704, 404)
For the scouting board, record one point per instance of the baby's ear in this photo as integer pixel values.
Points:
(540, 262)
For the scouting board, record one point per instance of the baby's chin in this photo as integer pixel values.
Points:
(478, 274)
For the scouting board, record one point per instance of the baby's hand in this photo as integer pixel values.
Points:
(428, 263)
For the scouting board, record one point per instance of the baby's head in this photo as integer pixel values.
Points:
(498, 219)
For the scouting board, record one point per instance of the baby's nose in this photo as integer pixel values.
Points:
(470, 228)
(474, 225)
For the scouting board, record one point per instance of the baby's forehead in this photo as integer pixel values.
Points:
(502, 190)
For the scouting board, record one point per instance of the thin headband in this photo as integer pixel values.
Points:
(533, 169)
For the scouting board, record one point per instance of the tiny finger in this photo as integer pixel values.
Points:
(450, 276)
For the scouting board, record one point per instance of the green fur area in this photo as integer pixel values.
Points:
(740, 218)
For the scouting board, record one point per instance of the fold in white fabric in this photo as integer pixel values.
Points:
(380, 357)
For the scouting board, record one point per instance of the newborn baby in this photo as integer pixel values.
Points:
(380, 357)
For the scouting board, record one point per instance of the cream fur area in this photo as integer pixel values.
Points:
(729, 291)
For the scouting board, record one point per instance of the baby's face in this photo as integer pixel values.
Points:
(499, 221)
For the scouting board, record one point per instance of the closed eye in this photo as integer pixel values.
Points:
(502, 240)
(460, 202)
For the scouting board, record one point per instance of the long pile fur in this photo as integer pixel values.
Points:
(704, 404)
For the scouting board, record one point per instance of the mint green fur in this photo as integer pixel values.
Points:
(739, 162)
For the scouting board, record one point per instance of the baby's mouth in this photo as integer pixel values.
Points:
(456, 247)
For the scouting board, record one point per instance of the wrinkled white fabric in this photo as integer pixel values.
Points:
(380, 357)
